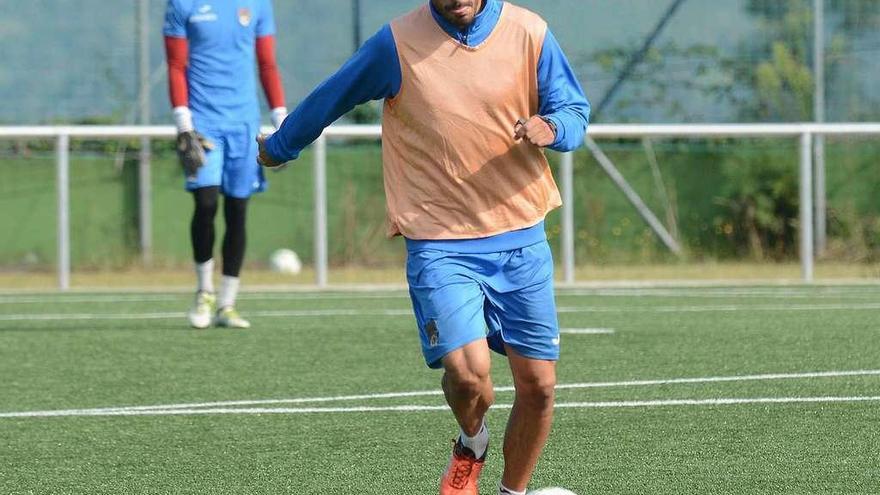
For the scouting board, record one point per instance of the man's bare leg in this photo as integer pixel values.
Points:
(530, 419)
(469, 393)
(467, 385)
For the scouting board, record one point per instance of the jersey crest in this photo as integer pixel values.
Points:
(244, 16)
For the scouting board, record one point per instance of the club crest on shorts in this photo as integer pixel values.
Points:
(433, 333)
(244, 16)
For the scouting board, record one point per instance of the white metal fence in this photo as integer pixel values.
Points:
(805, 133)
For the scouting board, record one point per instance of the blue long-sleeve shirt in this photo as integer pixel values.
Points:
(373, 73)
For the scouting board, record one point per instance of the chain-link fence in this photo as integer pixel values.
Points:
(690, 60)
(639, 61)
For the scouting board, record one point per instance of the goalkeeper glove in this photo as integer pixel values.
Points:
(191, 147)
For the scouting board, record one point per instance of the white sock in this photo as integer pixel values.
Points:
(503, 490)
(477, 443)
(228, 292)
(205, 276)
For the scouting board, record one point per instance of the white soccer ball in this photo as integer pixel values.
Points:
(551, 491)
(285, 261)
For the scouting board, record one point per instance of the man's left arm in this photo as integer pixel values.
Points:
(270, 76)
(561, 99)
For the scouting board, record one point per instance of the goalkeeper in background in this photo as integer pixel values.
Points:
(474, 91)
(211, 48)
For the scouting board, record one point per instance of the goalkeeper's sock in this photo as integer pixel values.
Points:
(228, 292)
(503, 490)
(205, 276)
(477, 443)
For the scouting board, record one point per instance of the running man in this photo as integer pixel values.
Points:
(474, 90)
(211, 46)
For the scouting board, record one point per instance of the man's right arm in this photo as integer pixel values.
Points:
(191, 145)
(177, 56)
(372, 73)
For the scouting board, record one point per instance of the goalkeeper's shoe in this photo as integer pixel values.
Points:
(228, 317)
(202, 310)
(462, 475)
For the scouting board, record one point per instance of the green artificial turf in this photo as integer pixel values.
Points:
(82, 351)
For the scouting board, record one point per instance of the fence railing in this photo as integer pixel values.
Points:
(803, 132)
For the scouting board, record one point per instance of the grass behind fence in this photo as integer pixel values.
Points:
(726, 199)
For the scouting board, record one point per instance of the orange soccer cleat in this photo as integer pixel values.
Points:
(462, 475)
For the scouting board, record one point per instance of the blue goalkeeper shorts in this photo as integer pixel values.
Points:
(232, 164)
(505, 297)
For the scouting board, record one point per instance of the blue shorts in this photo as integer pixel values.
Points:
(505, 297)
(232, 164)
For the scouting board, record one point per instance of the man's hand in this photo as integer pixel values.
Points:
(191, 147)
(264, 158)
(536, 130)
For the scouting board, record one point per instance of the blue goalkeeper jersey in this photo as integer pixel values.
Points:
(221, 75)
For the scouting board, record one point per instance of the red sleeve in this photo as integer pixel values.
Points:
(269, 75)
(177, 52)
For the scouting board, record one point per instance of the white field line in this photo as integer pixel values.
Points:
(672, 284)
(423, 408)
(721, 294)
(408, 312)
(430, 393)
(117, 298)
(304, 313)
(714, 402)
(710, 293)
(277, 288)
(719, 308)
(587, 331)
